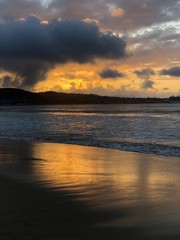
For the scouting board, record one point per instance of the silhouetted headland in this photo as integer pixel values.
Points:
(13, 96)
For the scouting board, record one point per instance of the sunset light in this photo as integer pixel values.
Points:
(150, 35)
(90, 119)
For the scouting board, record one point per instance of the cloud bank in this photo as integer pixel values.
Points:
(29, 48)
(113, 14)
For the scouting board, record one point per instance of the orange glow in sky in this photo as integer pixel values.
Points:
(118, 48)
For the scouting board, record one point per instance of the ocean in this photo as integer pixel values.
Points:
(146, 128)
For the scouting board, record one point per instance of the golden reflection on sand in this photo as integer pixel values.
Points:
(85, 170)
(143, 186)
(66, 165)
(108, 176)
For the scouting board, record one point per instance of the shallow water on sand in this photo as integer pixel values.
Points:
(140, 190)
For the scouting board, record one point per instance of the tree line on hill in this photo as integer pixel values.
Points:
(12, 96)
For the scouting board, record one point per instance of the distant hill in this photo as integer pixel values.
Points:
(12, 96)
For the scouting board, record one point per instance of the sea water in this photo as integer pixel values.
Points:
(147, 128)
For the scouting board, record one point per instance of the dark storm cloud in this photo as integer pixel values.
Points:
(8, 81)
(174, 71)
(110, 73)
(27, 71)
(29, 48)
(145, 73)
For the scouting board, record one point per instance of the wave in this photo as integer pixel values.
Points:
(139, 128)
(100, 112)
(148, 148)
(98, 109)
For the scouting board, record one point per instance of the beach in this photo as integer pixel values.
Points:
(60, 191)
(89, 120)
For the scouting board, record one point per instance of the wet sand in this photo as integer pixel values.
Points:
(55, 191)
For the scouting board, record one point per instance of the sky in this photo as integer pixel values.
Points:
(127, 48)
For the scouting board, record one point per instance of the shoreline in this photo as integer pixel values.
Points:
(57, 191)
(158, 149)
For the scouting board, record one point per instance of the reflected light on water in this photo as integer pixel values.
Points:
(105, 178)
(141, 189)
(97, 175)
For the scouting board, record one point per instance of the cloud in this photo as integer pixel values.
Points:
(156, 45)
(145, 73)
(117, 12)
(110, 73)
(21, 9)
(158, 34)
(29, 49)
(174, 71)
(134, 14)
(148, 84)
(80, 9)
(142, 13)
(8, 81)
